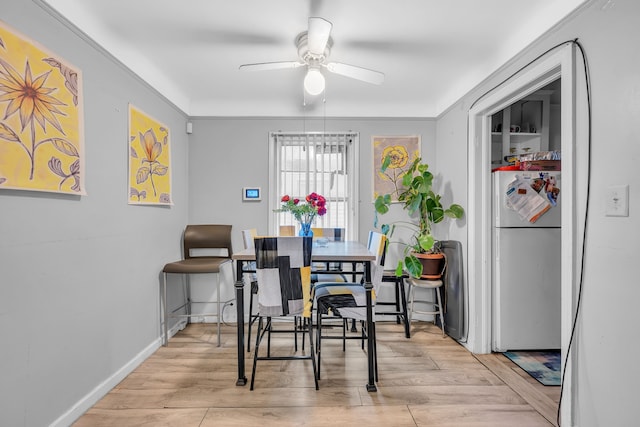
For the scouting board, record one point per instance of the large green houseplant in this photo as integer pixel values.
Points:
(413, 188)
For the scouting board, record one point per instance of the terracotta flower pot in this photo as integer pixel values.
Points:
(432, 265)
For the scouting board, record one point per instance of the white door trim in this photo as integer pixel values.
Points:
(559, 63)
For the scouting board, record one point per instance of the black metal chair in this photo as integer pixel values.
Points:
(247, 238)
(399, 303)
(348, 300)
(283, 270)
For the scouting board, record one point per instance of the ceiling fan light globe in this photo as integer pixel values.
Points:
(314, 82)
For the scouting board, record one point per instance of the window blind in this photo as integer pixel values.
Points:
(318, 162)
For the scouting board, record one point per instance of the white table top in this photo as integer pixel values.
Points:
(350, 251)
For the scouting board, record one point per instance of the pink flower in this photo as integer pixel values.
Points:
(306, 209)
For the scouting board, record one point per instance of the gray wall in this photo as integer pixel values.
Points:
(79, 275)
(67, 330)
(605, 342)
(228, 154)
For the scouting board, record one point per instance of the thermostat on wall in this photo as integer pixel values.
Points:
(251, 194)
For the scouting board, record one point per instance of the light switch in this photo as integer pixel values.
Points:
(617, 203)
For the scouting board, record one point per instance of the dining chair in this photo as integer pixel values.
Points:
(348, 300)
(436, 303)
(247, 238)
(215, 241)
(333, 269)
(287, 230)
(283, 270)
(334, 234)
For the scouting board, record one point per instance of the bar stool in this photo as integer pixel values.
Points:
(436, 303)
(197, 237)
(400, 302)
(435, 284)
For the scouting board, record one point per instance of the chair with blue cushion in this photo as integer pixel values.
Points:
(283, 271)
(348, 300)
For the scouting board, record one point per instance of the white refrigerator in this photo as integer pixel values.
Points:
(526, 265)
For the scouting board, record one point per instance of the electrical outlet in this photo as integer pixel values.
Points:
(617, 203)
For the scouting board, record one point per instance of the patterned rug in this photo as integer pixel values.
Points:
(544, 366)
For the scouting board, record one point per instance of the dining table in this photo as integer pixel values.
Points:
(340, 252)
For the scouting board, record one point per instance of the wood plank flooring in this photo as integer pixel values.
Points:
(427, 380)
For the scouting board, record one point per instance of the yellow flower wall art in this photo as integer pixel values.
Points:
(149, 160)
(403, 150)
(41, 126)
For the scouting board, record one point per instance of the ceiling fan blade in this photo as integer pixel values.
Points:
(261, 66)
(358, 73)
(318, 35)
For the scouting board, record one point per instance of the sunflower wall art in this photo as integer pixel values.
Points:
(41, 122)
(149, 160)
(403, 150)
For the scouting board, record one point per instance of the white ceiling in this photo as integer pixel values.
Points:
(431, 51)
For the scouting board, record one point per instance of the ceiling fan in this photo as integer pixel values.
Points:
(314, 47)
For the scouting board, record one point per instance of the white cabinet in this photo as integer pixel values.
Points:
(521, 128)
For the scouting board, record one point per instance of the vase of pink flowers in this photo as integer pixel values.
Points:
(304, 211)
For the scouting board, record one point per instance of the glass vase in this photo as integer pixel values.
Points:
(305, 230)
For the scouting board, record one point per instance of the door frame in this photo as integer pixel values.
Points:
(559, 63)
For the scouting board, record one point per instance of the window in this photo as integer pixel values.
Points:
(326, 163)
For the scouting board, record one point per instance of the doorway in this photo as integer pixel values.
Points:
(526, 254)
(557, 64)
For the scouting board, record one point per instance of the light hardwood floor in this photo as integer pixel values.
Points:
(427, 380)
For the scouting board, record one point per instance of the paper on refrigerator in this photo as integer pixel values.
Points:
(525, 200)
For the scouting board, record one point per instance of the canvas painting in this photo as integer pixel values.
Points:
(149, 160)
(403, 150)
(41, 122)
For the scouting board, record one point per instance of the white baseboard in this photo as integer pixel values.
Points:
(84, 404)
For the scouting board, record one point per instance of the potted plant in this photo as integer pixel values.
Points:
(413, 188)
